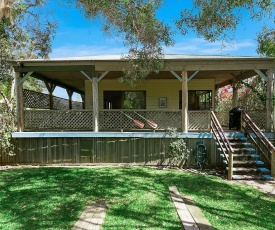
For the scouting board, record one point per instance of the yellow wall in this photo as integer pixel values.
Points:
(154, 89)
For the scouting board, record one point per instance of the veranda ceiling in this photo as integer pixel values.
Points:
(66, 71)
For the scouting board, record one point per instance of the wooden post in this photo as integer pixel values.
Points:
(95, 103)
(184, 102)
(273, 105)
(269, 100)
(235, 95)
(83, 101)
(230, 165)
(50, 87)
(70, 94)
(215, 98)
(273, 163)
(19, 102)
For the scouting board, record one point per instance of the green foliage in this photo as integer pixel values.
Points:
(29, 37)
(178, 152)
(216, 20)
(266, 42)
(134, 100)
(141, 31)
(252, 94)
(7, 127)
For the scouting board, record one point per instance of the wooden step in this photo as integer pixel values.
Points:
(237, 139)
(264, 170)
(247, 163)
(239, 149)
(242, 155)
(250, 170)
(237, 144)
(244, 149)
(252, 177)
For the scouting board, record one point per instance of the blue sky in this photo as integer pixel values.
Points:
(77, 36)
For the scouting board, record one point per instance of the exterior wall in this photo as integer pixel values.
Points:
(141, 151)
(154, 89)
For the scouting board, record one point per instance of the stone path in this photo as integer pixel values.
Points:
(93, 216)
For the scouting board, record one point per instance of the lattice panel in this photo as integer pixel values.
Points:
(199, 120)
(37, 100)
(111, 119)
(77, 105)
(258, 117)
(58, 120)
(166, 119)
(114, 119)
(223, 118)
(60, 103)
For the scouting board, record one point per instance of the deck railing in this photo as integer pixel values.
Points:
(58, 120)
(258, 116)
(223, 142)
(263, 145)
(112, 119)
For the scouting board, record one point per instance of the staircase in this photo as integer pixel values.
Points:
(246, 162)
(241, 160)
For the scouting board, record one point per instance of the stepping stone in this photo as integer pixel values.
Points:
(190, 215)
(93, 216)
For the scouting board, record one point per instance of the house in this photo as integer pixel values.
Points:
(106, 127)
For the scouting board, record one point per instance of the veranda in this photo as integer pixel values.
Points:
(101, 130)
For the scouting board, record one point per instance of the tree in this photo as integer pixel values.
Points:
(25, 32)
(217, 20)
(142, 32)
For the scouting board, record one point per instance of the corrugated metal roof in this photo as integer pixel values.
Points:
(166, 57)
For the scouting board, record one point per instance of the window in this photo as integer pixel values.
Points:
(124, 99)
(197, 99)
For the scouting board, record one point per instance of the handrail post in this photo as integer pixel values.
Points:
(230, 166)
(242, 114)
(273, 163)
(209, 121)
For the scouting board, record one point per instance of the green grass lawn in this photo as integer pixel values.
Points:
(138, 197)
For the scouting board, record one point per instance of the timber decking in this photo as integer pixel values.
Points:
(191, 216)
(93, 216)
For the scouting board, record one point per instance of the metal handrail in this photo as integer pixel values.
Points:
(259, 136)
(219, 135)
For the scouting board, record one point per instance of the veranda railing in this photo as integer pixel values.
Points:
(112, 119)
(223, 143)
(263, 145)
(258, 116)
